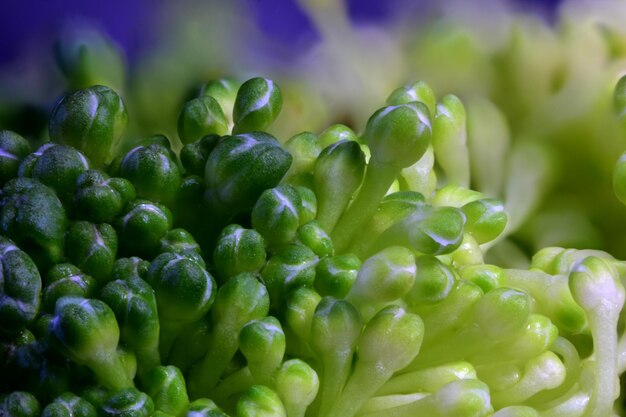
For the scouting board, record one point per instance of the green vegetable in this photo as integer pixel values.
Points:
(90, 120)
(258, 103)
(343, 272)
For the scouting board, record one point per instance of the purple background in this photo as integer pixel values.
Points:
(134, 24)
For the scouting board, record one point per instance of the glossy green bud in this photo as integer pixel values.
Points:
(431, 231)
(257, 105)
(99, 198)
(241, 299)
(93, 248)
(200, 117)
(383, 278)
(188, 208)
(22, 202)
(335, 329)
(90, 120)
(304, 149)
(13, 149)
(275, 216)
(25, 169)
(399, 135)
(296, 383)
(433, 281)
(184, 290)
(260, 401)
(337, 174)
(429, 379)
(393, 208)
(487, 277)
(166, 386)
(86, 331)
(66, 280)
(486, 219)
(134, 304)
(315, 238)
(142, 227)
(128, 402)
(20, 404)
(204, 407)
(20, 288)
(127, 268)
(299, 309)
(241, 167)
(193, 155)
(292, 267)
(262, 343)
(152, 171)
(449, 140)
(418, 91)
(388, 343)
(58, 167)
(336, 133)
(238, 250)
(182, 242)
(307, 210)
(224, 90)
(335, 275)
(69, 405)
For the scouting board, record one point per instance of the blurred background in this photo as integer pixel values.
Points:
(536, 78)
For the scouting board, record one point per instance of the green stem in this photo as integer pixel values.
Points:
(378, 179)
(205, 376)
(233, 384)
(111, 372)
(366, 379)
(336, 369)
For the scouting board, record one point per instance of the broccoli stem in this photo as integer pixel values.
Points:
(110, 371)
(378, 179)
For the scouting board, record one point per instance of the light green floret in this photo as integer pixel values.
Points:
(166, 386)
(337, 175)
(428, 230)
(69, 405)
(276, 216)
(335, 275)
(299, 309)
(418, 91)
(388, 343)
(449, 140)
(495, 317)
(297, 384)
(467, 398)
(128, 402)
(393, 208)
(241, 299)
(397, 136)
(596, 287)
(200, 117)
(135, 307)
(262, 343)
(85, 330)
(238, 250)
(260, 401)
(335, 328)
(383, 279)
(315, 238)
(257, 105)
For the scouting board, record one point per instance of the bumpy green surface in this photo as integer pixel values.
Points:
(237, 273)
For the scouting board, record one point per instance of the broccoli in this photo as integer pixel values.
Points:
(228, 272)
